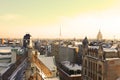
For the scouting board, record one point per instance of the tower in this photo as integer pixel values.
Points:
(26, 40)
(85, 43)
(99, 36)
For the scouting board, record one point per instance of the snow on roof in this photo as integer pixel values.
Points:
(70, 46)
(104, 49)
(71, 66)
(49, 62)
(78, 43)
(112, 58)
(109, 50)
(94, 47)
(114, 46)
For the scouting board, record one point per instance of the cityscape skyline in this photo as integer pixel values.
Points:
(43, 19)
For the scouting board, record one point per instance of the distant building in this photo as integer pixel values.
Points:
(55, 51)
(100, 63)
(99, 36)
(68, 53)
(12, 63)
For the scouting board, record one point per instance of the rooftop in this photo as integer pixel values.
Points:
(110, 50)
(104, 49)
(71, 66)
(48, 61)
(112, 58)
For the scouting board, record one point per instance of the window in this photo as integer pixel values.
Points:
(89, 64)
(78, 71)
(85, 72)
(85, 63)
(100, 69)
(71, 72)
(99, 78)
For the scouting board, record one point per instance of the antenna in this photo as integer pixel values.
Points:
(114, 37)
(60, 34)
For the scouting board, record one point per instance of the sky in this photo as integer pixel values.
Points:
(43, 18)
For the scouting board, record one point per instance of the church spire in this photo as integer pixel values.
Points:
(99, 36)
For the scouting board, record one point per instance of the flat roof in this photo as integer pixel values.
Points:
(104, 49)
(94, 47)
(112, 58)
(71, 46)
(71, 66)
(110, 50)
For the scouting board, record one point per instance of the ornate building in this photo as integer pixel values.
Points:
(100, 63)
(99, 36)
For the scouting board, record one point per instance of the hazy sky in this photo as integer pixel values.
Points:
(43, 18)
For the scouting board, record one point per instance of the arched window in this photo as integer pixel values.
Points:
(100, 68)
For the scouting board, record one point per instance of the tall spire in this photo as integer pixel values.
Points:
(60, 31)
(99, 35)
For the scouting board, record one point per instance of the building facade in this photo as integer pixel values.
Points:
(100, 63)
